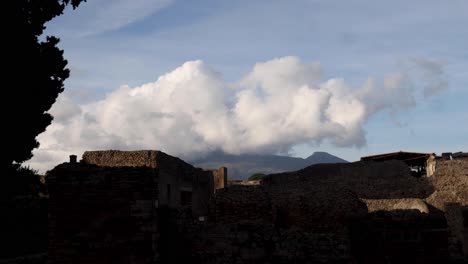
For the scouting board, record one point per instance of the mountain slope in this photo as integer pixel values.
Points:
(242, 166)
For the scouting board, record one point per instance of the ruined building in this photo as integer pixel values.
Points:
(103, 209)
(149, 207)
(421, 164)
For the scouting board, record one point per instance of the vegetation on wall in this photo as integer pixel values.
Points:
(256, 177)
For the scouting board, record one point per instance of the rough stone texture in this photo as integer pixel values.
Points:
(239, 203)
(368, 180)
(112, 201)
(174, 175)
(242, 182)
(450, 182)
(250, 243)
(117, 158)
(323, 201)
(314, 208)
(220, 178)
(362, 212)
(451, 196)
(396, 204)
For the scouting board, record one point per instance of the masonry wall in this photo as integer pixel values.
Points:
(220, 178)
(314, 215)
(180, 184)
(450, 181)
(117, 158)
(400, 236)
(369, 180)
(319, 213)
(102, 215)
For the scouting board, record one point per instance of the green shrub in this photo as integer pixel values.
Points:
(256, 177)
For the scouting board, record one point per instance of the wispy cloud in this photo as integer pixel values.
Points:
(98, 16)
(432, 74)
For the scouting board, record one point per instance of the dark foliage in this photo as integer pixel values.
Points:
(256, 177)
(23, 224)
(35, 72)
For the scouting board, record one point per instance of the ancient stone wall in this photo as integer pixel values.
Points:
(102, 214)
(244, 182)
(220, 178)
(117, 158)
(319, 204)
(450, 181)
(314, 215)
(239, 203)
(245, 226)
(374, 205)
(369, 180)
(252, 223)
(400, 236)
(177, 179)
(253, 243)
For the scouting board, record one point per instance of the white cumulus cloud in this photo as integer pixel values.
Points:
(193, 110)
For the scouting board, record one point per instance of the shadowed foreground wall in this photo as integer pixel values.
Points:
(363, 212)
(102, 214)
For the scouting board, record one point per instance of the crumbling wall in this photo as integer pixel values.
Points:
(244, 182)
(450, 181)
(220, 178)
(374, 205)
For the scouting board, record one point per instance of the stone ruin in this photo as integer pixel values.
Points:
(104, 209)
(149, 207)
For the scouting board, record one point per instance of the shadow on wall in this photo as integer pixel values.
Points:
(368, 180)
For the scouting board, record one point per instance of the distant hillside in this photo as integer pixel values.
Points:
(242, 166)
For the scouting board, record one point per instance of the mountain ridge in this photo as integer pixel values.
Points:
(243, 165)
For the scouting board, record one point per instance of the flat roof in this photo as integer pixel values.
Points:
(408, 157)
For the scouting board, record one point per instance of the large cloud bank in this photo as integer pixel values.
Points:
(192, 111)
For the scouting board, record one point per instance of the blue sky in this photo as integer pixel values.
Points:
(113, 43)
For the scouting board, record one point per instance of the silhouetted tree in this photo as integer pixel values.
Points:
(35, 72)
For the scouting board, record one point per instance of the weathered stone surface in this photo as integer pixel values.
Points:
(239, 203)
(315, 215)
(117, 158)
(368, 180)
(396, 204)
(450, 181)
